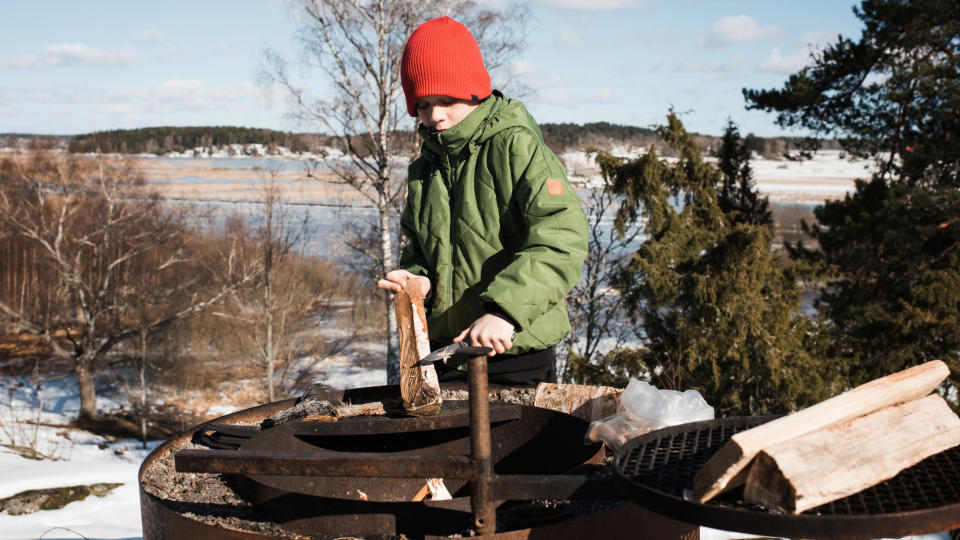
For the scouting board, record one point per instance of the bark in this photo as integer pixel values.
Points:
(143, 388)
(393, 343)
(88, 395)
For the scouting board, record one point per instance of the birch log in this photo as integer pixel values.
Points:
(419, 387)
(587, 402)
(727, 467)
(829, 464)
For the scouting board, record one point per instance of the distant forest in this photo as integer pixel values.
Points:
(559, 137)
(161, 140)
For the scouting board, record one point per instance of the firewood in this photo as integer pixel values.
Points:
(419, 386)
(320, 418)
(358, 409)
(587, 402)
(727, 467)
(831, 463)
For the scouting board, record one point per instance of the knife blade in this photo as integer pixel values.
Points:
(444, 354)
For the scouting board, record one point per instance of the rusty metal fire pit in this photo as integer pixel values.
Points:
(505, 466)
(657, 469)
(525, 441)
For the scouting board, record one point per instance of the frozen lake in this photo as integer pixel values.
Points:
(227, 186)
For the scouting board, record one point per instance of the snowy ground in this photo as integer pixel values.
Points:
(828, 175)
(80, 458)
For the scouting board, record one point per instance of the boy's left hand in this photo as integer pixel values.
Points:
(489, 331)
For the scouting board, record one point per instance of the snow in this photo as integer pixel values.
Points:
(82, 458)
(829, 174)
(342, 372)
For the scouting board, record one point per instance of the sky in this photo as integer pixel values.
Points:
(70, 66)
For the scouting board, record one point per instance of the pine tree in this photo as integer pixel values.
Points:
(892, 95)
(719, 314)
(890, 248)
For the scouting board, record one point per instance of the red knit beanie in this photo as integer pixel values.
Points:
(442, 59)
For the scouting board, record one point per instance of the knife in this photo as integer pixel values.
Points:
(463, 350)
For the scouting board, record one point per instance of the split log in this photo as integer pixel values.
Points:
(359, 409)
(829, 464)
(419, 386)
(727, 467)
(587, 402)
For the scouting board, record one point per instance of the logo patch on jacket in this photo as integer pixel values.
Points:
(554, 186)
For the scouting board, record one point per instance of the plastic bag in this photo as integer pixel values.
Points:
(644, 408)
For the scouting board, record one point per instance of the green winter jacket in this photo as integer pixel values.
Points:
(493, 222)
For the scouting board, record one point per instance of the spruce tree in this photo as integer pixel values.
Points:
(737, 194)
(719, 314)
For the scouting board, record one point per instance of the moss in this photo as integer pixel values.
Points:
(27, 502)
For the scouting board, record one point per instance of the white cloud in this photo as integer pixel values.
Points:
(690, 66)
(521, 68)
(194, 94)
(558, 97)
(37, 93)
(149, 36)
(537, 79)
(820, 39)
(739, 29)
(812, 43)
(595, 5)
(603, 95)
(223, 48)
(168, 52)
(568, 36)
(70, 54)
(777, 63)
(727, 70)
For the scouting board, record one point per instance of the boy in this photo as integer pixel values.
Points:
(496, 234)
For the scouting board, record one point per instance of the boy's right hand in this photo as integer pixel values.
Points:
(395, 280)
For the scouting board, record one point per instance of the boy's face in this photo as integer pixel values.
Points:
(443, 112)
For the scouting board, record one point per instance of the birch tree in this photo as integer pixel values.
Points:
(357, 45)
(270, 306)
(100, 238)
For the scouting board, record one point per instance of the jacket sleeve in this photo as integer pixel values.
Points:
(548, 260)
(411, 257)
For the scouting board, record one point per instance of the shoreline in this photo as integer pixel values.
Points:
(828, 176)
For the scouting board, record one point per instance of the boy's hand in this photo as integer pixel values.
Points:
(395, 280)
(489, 331)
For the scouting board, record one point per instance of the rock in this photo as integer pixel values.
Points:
(28, 502)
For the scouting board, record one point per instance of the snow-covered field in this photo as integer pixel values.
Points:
(828, 175)
(80, 458)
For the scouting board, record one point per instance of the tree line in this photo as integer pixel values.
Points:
(560, 137)
(162, 140)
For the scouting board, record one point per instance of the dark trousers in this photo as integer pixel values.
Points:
(527, 369)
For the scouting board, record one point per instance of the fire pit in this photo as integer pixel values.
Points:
(656, 469)
(526, 440)
(530, 449)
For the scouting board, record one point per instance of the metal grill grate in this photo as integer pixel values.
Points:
(657, 468)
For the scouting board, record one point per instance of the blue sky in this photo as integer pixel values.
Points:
(77, 66)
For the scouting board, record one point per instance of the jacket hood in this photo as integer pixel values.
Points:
(494, 115)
